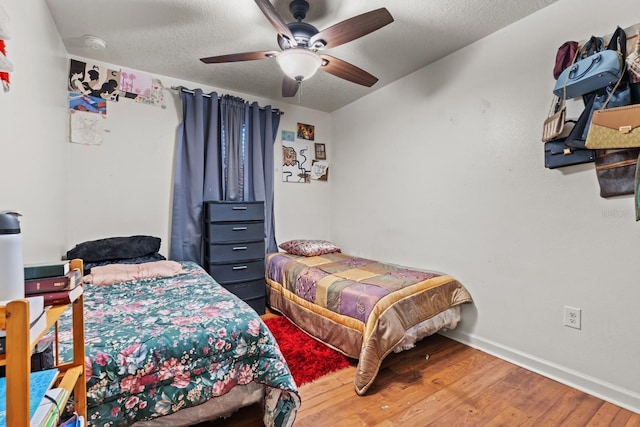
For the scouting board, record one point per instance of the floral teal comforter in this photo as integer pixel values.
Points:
(156, 346)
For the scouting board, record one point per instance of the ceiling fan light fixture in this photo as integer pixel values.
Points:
(299, 63)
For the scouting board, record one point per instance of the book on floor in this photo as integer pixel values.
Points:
(40, 382)
(52, 284)
(48, 269)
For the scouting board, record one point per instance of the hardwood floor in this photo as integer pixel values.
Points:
(455, 386)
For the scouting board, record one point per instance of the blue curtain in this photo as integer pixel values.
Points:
(262, 133)
(224, 152)
(233, 115)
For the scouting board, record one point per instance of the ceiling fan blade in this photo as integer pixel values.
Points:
(276, 20)
(347, 71)
(289, 87)
(237, 57)
(351, 29)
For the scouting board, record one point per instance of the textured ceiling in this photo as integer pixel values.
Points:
(167, 37)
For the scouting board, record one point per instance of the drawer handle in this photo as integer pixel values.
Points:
(239, 208)
(239, 267)
(239, 228)
(240, 248)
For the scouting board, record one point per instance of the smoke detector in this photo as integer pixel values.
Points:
(94, 42)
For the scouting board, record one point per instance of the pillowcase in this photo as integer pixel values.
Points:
(113, 273)
(308, 247)
(155, 256)
(115, 248)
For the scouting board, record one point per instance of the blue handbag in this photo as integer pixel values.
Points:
(558, 155)
(594, 72)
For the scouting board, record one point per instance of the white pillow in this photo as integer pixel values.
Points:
(114, 273)
(5, 32)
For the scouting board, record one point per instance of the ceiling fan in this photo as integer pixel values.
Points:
(299, 43)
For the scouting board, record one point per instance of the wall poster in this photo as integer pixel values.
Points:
(319, 170)
(296, 162)
(90, 104)
(94, 80)
(86, 128)
(288, 136)
(306, 131)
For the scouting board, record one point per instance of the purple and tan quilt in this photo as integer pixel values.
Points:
(358, 306)
(157, 346)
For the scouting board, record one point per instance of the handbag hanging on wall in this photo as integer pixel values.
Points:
(594, 72)
(607, 98)
(575, 138)
(553, 127)
(615, 128)
(554, 124)
(617, 95)
(558, 154)
(565, 57)
(616, 171)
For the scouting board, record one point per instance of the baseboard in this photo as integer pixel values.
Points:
(601, 389)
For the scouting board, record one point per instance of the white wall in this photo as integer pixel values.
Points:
(123, 186)
(302, 210)
(444, 169)
(33, 148)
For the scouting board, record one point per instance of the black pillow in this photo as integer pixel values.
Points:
(113, 248)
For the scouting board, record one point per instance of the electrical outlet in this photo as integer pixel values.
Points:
(573, 317)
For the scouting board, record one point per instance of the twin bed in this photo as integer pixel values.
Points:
(363, 308)
(175, 348)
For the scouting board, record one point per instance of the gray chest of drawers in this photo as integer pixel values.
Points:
(234, 248)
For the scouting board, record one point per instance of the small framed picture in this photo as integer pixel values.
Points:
(306, 131)
(321, 154)
(319, 170)
(288, 136)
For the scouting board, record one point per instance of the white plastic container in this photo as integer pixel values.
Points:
(11, 258)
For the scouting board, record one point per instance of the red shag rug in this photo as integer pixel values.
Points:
(307, 358)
